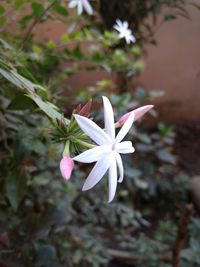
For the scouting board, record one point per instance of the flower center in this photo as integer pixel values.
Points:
(114, 147)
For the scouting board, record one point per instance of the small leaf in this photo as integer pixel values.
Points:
(2, 10)
(77, 53)
(42, 179)
(37, 9)
(39, 148)
(26, 73)
(3, 21)
(166, 156)
(60, 10)
(18, 3)
(45, 255)
(15, 190)
(21, 102)
(25, 20)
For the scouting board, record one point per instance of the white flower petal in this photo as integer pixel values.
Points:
(119, 23)
(127, 40)
(109, 118)
(125, 128)
(87, 7)
(112, 179)
(93, 130)
(124, 147)
(93, 154)
(132, 38)
(125, 25)
(117, 28)
(80, 8)
(100, 168)
(120, 167)
(73, 4)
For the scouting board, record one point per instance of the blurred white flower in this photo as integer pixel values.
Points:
(81, 5)
(124, 31)
(108, 149)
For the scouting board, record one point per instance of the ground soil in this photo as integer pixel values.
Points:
(187, 147)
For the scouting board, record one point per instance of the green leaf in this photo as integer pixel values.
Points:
(2, 10)
(60, 10)
(37, 9)
(15, 190)
(18, 3)
(166, 156)
(21, 102)
(11, 75)
(3, 21)
(42, 179)
(49, 109)
(26, 73)
(17, 80)
(25, 20)
(45, 255)
(77, 53)
(36, 146)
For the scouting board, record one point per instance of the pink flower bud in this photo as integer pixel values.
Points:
(138, 112)
(66, 167)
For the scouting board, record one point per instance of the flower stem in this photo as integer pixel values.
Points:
(85, 144)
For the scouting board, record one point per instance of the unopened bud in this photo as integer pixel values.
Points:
(66, 167)
(139, 112)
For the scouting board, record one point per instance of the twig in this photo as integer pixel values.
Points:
(36, 21)
(182, 234)
(129, 257)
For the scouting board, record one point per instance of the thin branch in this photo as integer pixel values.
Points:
(182, 234)
(129, 257)
(36, 21)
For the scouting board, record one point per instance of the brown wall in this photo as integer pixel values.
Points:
(174, 66)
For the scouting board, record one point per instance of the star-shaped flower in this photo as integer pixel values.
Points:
(124, 31)
(108, 149)
(81, 5)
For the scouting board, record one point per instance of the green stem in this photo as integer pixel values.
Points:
(88, 145)
(66, 151)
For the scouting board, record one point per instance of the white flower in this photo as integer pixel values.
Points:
(124, 31)
(81, 5)
(108, 149)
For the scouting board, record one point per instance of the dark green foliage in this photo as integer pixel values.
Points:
(46, 221)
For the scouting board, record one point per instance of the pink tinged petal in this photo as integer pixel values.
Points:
(87, 7)
(92, 130)
(124, 147)
(139, 112)
(66, 167)
(120, 167)
(109, 118)
(112, 180)
(100, 168)
(93, 154)
(125, 128)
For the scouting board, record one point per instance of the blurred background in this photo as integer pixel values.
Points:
(46, 221)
